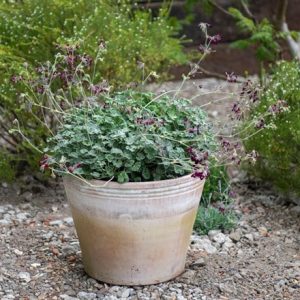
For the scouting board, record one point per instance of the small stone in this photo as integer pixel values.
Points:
(188, 275)
(27, 196)
(22, 216)
(4, 222)
(249, 237)
(227, 245)
(201, 262)
(86, 296)
(24, 276)
(35, 265)
(219, 238)
(263, 231)
(18, 252)
(48, 235)
(56, 223)
(126, 293)
(212, 233)
(68, 221)
(5, 185)
(205, 245)
(235, 235)
(67, 297)
(296, 209)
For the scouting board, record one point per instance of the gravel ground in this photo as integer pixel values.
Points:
(41, 259)
(260, 259)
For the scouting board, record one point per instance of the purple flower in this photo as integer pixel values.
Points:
(71, 169)
(215, 39)
(279, 107)
(16, 78)
(260, 124)
(231, 77)
(201, 174)
(40, 89)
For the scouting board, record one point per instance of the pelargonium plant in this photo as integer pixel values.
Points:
(98, 132)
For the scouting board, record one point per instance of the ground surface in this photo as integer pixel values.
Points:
(260, 259)
(41, 259)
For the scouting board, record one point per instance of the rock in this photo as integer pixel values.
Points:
(68, 250)
(227, 245)
(212, 233)
(126, 293)
(188, 275)
(48, 235)
(86, 296)
(205, 245)
(22, 216)
(249, 237)
(263, 231)
(18, 252)
(67, 297)
(4, 222)
(235, 235)
(69, 221)
(24, 276)
(27, 196)
(4, 185)
(296, 209)
(56, 223)
(201, 262)
(219, 238)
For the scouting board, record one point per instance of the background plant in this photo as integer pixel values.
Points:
(278, 145)
(30, 31)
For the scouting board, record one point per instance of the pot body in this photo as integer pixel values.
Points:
(134, 233)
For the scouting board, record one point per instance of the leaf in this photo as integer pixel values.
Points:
(146, 173)
(240, 44)
(123, 177)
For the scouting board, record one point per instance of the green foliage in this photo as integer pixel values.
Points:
(7, 172)
(133, 137)
(217, 186)
(31, 29)
(279, 145)
(211, 218)
(262, 35)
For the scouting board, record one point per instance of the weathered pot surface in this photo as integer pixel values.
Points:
(134, 233)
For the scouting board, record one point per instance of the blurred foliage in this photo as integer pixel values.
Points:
(30, 31)
(261, 35)
(7, 172)
(278, 146)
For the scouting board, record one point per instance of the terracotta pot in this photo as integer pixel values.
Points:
(135, 233)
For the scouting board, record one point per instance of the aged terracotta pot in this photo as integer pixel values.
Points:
(135, 233)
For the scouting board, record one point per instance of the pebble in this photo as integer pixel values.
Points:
(24, 276)
(56, 223)
(235, 235)
(86, 296)
(219, 238)
(18, 252)
(249, 237)
(126, 293)
(68, 221)
(204, 244)
(201, 262)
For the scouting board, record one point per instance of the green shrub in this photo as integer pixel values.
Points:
(136, 43)
(211, 218)
(278, 144)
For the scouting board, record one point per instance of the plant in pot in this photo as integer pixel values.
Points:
(133, 165)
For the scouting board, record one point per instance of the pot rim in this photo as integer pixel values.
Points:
(114, 184)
